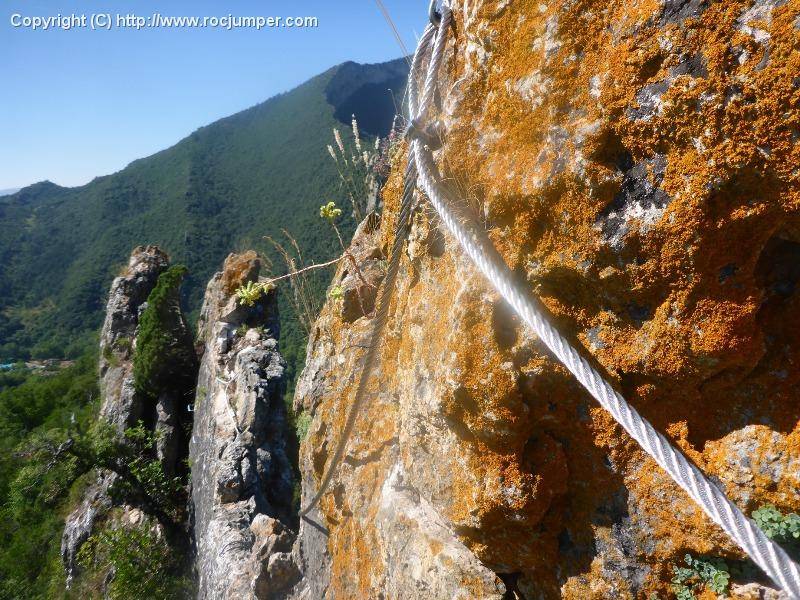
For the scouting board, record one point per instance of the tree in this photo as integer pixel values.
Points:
(164, 359)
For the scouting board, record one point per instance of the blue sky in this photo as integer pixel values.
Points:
(80, 103)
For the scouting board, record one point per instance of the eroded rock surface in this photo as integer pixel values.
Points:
(636, 166)
(121, 406)
(126, 301)
(242, 479)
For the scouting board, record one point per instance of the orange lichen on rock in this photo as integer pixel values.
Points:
(238, 270)
(636, 164)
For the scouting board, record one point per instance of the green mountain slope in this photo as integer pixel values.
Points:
(221, 189)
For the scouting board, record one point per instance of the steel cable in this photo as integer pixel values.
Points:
(764, 552)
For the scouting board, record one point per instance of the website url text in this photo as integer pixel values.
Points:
(157, 21)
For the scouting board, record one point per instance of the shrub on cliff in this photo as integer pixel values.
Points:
(164, 359)
(143, 563)
(141, 479)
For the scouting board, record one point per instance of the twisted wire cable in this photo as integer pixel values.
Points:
(387, 289)
(768, 555)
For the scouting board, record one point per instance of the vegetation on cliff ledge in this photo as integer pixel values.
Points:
(144, 564)
(164, 359)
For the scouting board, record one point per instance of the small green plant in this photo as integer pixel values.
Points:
(329, 211)
(110, 357)
(302, 424)
(252, 291)
(682, 592)
(202, 392)
(123, 344)
(336, 293)
(242, 329)
(777, 526)
(711, 572)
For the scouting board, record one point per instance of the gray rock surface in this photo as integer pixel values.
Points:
(128, 294)
(242, 480)
(80, 522)
(121, 406)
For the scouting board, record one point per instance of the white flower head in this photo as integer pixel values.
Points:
(356, 134)
(338, 139)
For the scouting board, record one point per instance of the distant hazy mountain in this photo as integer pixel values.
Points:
(220, 189)
(8, 192)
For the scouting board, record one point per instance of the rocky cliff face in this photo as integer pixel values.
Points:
(636, 165)
(126, 300)
(241, 474)
(121, 406)
(124, 405)
(242, 478)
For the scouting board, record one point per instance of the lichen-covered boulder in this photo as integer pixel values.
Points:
(636, 165)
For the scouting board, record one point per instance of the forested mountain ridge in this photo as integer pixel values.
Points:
(220, 189)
